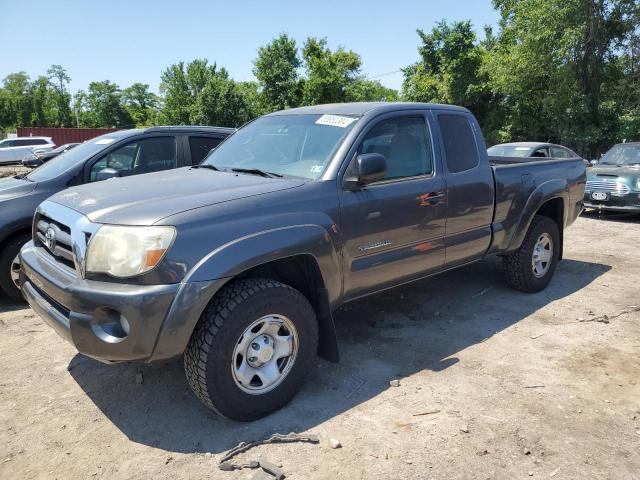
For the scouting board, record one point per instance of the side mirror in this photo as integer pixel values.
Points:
(368, 168)
(593, 163)
(107, 173)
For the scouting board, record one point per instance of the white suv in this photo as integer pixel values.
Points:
(13, 150)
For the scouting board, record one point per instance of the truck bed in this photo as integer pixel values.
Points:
(519, 182)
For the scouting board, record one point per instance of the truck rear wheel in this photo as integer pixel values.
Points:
(531, 267)
(10, 267)
(252, 348)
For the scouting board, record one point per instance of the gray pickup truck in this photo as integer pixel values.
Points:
(236, 264)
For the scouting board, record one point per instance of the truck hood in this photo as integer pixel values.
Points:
(11, 187)
(146, 199)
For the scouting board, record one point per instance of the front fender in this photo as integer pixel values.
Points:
(557, 188)
(211, 273)
(255, 249)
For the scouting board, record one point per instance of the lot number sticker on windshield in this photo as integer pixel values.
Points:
(335, 121)
(105, 141)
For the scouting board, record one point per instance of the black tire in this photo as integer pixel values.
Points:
(518, 269)
(208, 356)
(7, 255)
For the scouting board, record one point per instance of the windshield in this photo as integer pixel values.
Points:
(69, 159)
(622, 155)
(288, 145)
(508, 151)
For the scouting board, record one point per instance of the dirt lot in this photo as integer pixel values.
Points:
(520, 385)
(11, 170)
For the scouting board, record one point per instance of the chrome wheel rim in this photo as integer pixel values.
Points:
(264, 354)
(14, 272)
(542, 255)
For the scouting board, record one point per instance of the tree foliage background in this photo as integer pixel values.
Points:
(566, 71)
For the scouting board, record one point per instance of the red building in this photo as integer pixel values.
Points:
(64, 135)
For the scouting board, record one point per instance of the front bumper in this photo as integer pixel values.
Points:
(621, 203)
(113, 322)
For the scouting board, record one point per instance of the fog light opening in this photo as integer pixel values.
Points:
(110, 326)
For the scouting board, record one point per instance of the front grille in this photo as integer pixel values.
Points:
(61, 248)
(614, 188)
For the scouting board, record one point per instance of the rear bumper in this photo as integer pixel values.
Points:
(113, 322)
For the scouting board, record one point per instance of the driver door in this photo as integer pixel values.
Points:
(393, 229)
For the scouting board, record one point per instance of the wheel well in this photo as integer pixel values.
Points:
(303, 273)
(300, 272)
(18, 233)
(554, 209)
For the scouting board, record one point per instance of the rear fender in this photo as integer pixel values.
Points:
(558, 188)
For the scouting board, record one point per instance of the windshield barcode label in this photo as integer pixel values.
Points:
(335, 121)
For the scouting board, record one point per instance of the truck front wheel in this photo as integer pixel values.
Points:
(10, 267)
(252, 348)
(531, 267)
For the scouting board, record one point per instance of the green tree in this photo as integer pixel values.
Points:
(178, 99)
(363, 90)
(329, 74)
(102, 106)
(450, 69)
(59, 79)
(277, 68)
(17, 103)
(204, 94)
(43, 108)
(221, 101)
(140, 104)
(556, 66)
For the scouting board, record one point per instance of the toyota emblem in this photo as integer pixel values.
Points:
(50, 238)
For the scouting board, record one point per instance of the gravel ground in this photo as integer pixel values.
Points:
(11, 170)
(492, 384)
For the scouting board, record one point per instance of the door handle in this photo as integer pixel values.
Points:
(430, 198)
(433, 195)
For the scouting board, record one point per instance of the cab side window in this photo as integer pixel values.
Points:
(405, 144)
(459, 143)
(142, 156)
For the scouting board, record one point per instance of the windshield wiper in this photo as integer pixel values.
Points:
(256, 171)
(207, 166)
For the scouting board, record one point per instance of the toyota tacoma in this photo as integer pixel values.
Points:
(237, 264)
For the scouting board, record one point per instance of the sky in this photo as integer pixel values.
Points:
(134, 41)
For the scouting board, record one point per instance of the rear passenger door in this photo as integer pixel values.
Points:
(393, 229)
(470, 188)
(199, 147)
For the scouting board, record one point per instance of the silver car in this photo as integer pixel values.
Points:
(13, 150)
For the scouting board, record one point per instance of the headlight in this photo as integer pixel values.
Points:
(638, 184)
(127, 251)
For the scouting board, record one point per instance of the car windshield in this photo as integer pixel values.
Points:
(288, 145)
(622, 155)
(508, 151)
(69, 159)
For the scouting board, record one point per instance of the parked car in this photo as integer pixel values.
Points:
(117, 154)
(238, 270)
(13, 150)
(614, 181)
(38, 157)
(533, 150)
